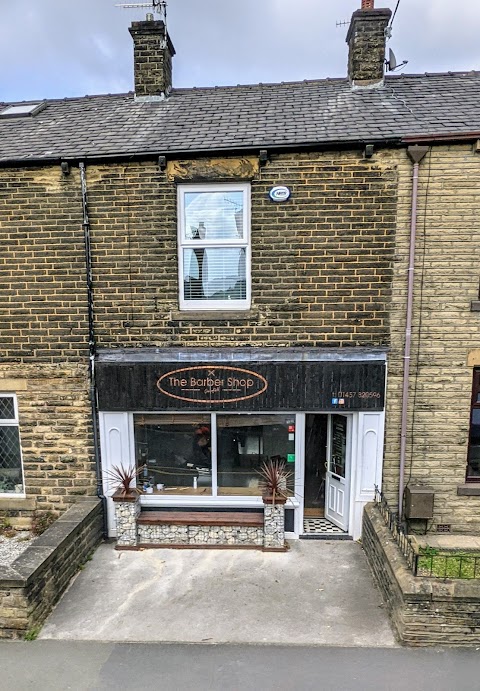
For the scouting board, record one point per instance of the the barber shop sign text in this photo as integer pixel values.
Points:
(212, 384)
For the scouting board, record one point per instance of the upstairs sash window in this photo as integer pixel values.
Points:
(214, 246)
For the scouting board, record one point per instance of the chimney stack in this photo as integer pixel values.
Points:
(153, 53)
(366, 40)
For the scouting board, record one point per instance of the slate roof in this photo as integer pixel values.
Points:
(245, 117)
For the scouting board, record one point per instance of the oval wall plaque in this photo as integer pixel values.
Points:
(280, 193)
(203, 384)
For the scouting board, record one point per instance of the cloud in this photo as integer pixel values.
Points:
(55, 48)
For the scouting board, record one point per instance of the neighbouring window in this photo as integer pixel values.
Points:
(214, 246)
(473, 467)
(11, 473)
(202, 455)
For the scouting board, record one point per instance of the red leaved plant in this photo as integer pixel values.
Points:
(122, 477)
(275, 478)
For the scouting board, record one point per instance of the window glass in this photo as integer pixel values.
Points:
(244, 442)
(174, 454)
(214, 246)
(473, 468)
(214, 215)
(11, 475)
(214, 273)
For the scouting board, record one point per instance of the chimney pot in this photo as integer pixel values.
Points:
(152, 56)
(368, 4)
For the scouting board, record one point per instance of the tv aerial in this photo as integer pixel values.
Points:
(157, 6)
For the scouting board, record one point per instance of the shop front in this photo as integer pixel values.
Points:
(198, 425)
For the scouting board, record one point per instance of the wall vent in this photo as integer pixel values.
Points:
(444, 528)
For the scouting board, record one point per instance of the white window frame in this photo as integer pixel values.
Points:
(214, 305)
(14, 422)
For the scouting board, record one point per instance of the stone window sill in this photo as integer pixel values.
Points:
(475, 306)
(17, 503)
(214, 316)
(469, 489)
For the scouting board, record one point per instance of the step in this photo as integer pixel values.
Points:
(248, 519)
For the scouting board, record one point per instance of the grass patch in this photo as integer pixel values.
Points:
(32, 634)
(437, 564)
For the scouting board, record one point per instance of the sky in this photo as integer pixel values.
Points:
(60, 48)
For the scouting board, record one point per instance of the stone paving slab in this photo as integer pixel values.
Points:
(318, 593)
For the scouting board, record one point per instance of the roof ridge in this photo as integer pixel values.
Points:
(258, 85)
(66, 98)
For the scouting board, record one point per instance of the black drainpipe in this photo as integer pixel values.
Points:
(92, 347)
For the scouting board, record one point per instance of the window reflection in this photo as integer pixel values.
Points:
(173, 453)
(244, 442)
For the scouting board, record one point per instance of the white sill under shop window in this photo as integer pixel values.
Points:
(214, 246)
(11, 473)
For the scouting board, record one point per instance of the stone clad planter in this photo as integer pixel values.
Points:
(274, 524)
(127, 510)
(164, 529)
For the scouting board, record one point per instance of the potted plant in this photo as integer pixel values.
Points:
(122, 477)
(275, 478)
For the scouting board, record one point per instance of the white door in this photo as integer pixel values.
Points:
(336, 481)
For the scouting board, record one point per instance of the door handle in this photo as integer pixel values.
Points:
(326, 465)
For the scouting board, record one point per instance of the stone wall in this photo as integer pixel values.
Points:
(321, 263)
(444, 331)
(321, 276)
(55, 435)
(199, 535)
(423, 611)
(127, 510)
(31, 586)
(274, 526)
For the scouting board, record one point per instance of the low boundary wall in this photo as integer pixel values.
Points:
(35, 581)
(424, 611)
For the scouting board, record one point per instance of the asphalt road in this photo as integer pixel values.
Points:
(88, 666)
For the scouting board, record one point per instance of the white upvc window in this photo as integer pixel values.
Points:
(214, 246)
(11, 470)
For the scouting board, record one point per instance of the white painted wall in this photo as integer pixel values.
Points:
(115, 440)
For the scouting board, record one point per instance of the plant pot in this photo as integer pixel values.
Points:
(120, 495)
(277, 499)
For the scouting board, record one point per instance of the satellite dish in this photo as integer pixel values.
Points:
(392, 61)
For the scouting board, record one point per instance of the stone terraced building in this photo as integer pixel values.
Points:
(195, 281)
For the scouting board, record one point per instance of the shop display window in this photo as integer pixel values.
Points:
(244, 442)
(174, 454)
(201, 455)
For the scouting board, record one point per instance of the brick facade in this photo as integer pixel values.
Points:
(321, 263)
(445, 330)
(321, 276)
(322, 271)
